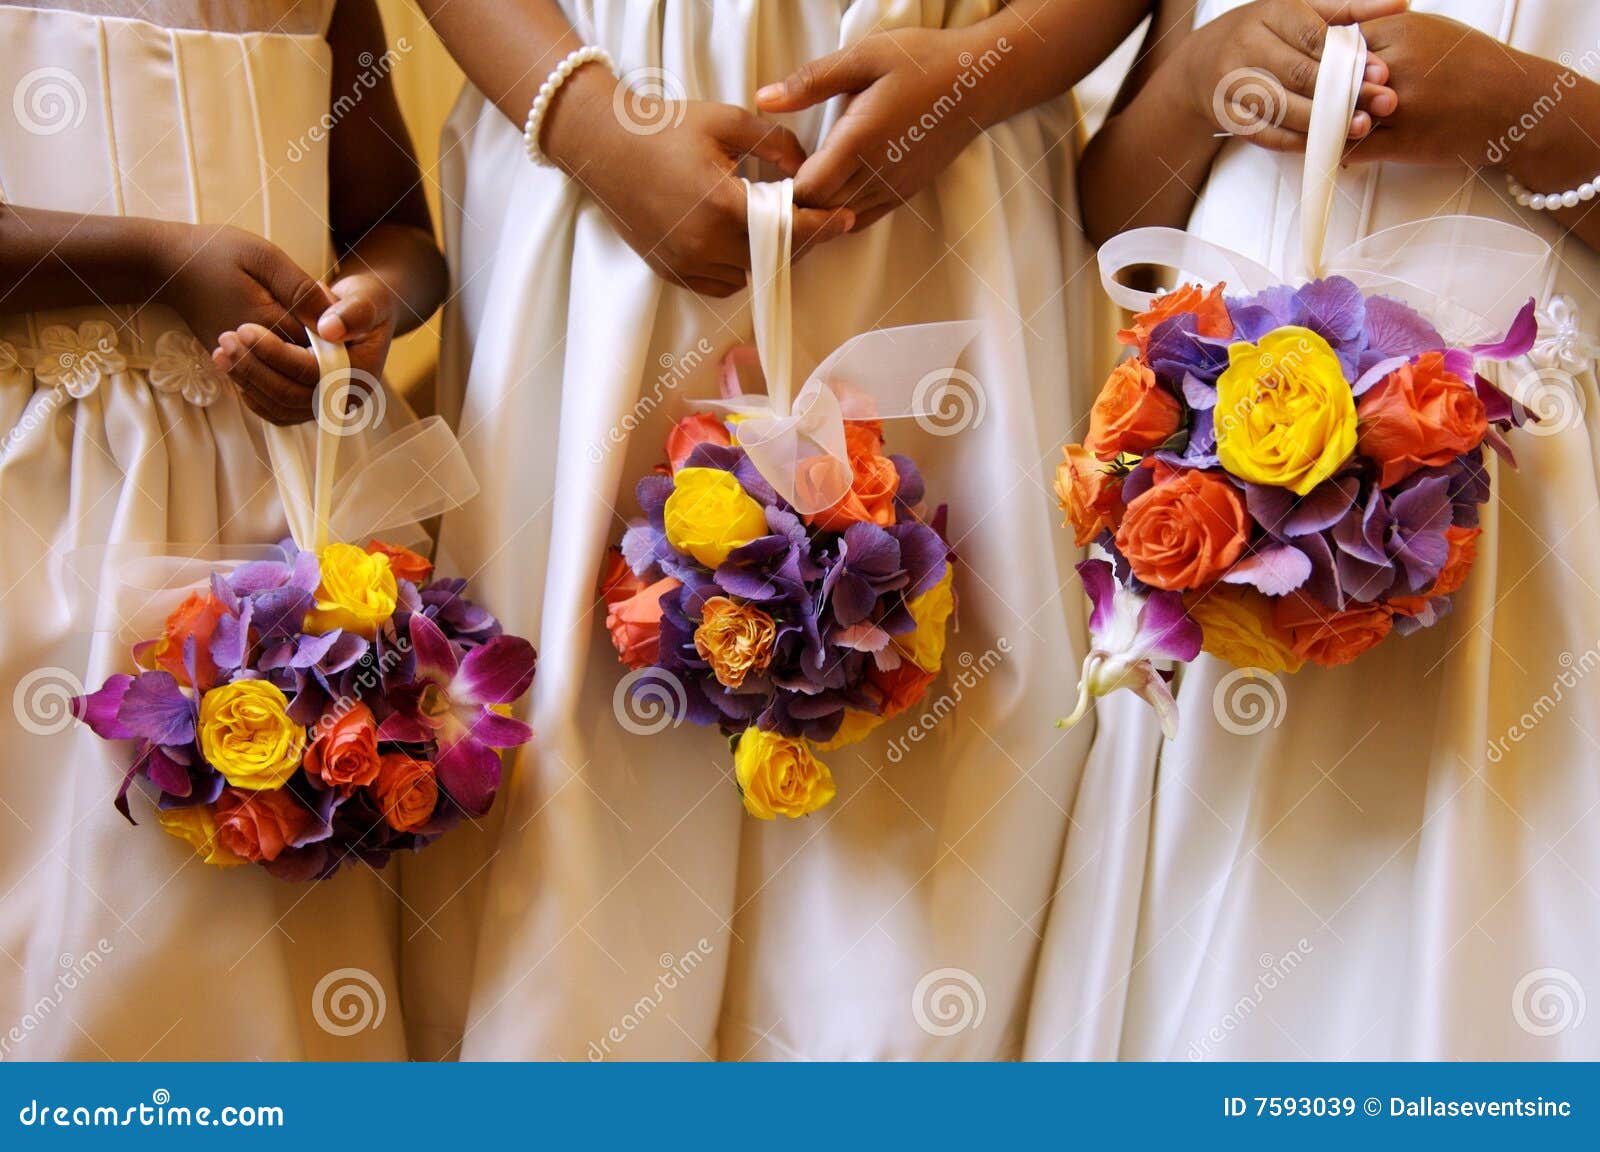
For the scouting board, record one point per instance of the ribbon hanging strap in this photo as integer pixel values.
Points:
(1333, 104)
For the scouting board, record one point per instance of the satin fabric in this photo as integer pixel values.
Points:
(116, 942)
(1404, 861)
(628, 908)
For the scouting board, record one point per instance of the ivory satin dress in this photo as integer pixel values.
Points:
(1403, 862)
(628, 907)
(117, 942)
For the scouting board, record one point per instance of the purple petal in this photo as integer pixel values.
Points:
(499, 731)
(1396, 330)
(1276, 570)
(923, 555)
(1199, 395)
(404, 727)
(1155, 691)
(1518, 339)
(156, 708)
(1333, 308)
(1166, 630)
(1375, 375)
(167, 774)
(469, 771)
(99, 709)
(498, 672)
(230, 641)
(281, 612)
(309, 650)
(436, 660)
(258, 576)
(1101, 585)
(1323, 506)
(346, 649)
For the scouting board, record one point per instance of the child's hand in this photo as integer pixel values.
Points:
(664, 174)
(1253, 71)
(263, 363)
(882, 150)
(223, 278)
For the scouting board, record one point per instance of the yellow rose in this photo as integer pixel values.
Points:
(735, 638)
(856, 726)
(779, 776)
(195, 826)
(1284, 413)
(357, 593)
(246, 734)
(1237, 627)
(708, 515)
(931, 610)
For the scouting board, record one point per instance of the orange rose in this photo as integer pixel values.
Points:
(259, 825)
(873, 484)
(1418, 416)
(691, 432)
(902, 687)
(1133, 413)
(1323, 636)
(1207, 307)
(403, 562)
(617, 581)
(344, 753)
(406, 791)
(1184, 531)
(197, 616)
(635, 623)
(1090, 494)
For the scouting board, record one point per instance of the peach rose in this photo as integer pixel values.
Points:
(1184, 531)
(259, 825)
(344, 754)
(735, 639)
(691, 432)
(635, 623)
(403, 562)
(902, 687)
(1133, 413)
(406, 791)
(1418, 416)
(1323, 636)
(1090, 494)
(1207, 307)
(197, 616)
(873, 485)
(617, 581)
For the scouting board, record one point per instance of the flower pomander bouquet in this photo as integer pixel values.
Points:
(1291, 474)
(340, 703)
(787, 583)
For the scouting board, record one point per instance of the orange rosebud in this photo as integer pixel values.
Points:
(403, 562)
(617, 581)
(1133, 413)
(1185, 531)
(1207, 307)
(260, 825)
(406, 791)
(691, 432)
(197, 616)
(1323, 636)
(344, 753)
(1463, 554)
(873, 484)
(902, 687)
(1420, 415)
(635, 623)
(1090, 494)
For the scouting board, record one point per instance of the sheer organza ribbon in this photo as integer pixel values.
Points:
(342, 486)
(1468, 274)
(796, 440)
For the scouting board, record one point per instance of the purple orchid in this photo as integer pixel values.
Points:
(1129, 632)
(450, 702)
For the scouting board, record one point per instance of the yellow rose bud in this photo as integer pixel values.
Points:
(195, 826)
(709, 514)
(1284, 414)
(778, 776)
(1236, 624)
(358, 591)
(246, 734)
(735, 638)
(931, 611)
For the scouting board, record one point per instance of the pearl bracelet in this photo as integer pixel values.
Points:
(1550, 202)
(577, 58)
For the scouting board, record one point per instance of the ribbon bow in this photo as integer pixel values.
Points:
(797, 442)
